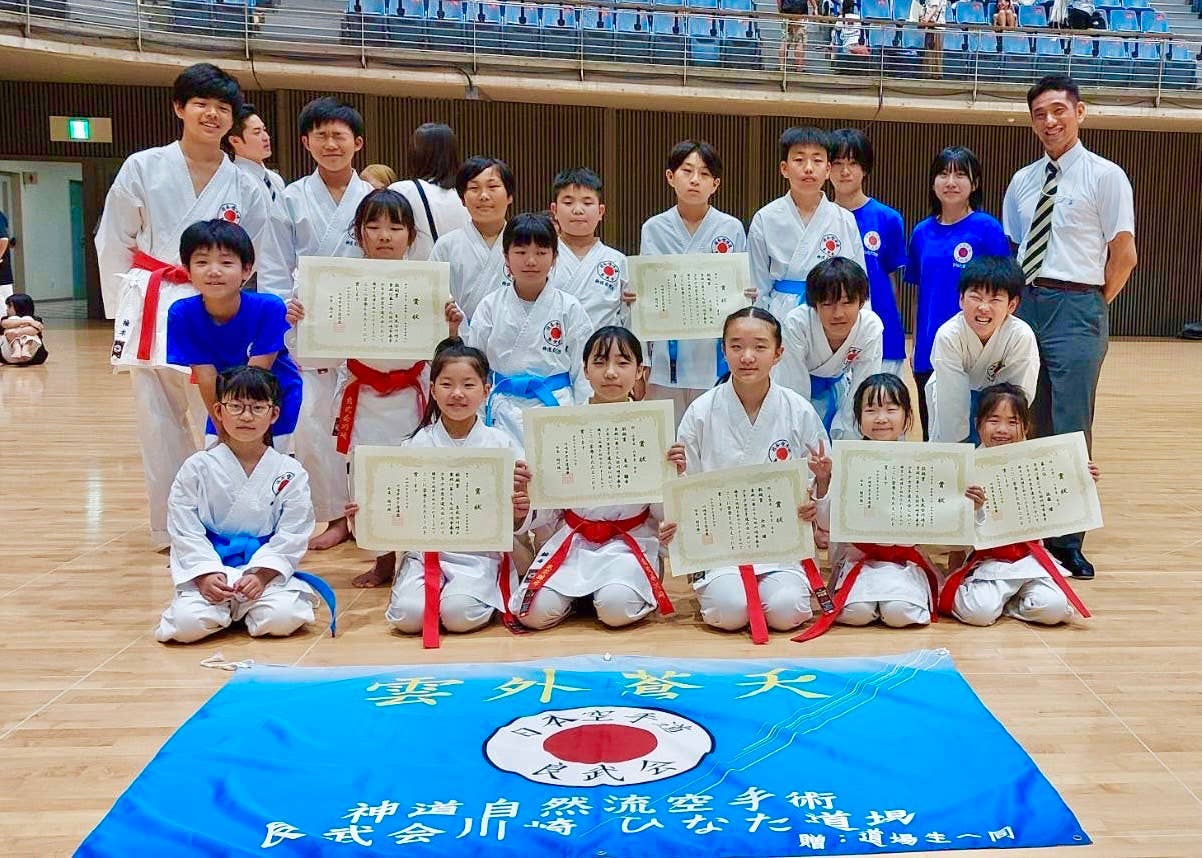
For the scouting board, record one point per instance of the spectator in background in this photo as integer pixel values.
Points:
(1077, 15)
(437, 209)
(931, 14)
(21, 342)
(6, 260)
(1005, 17)
(793, 32)
(379, 176)
(847, 35)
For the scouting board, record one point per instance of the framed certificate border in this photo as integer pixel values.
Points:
(650, 322)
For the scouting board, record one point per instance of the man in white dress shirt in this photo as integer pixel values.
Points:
(1071, 217)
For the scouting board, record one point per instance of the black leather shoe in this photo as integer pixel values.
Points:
(1074, 561)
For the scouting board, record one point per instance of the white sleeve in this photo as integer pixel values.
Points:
(1011, 216)
(1116, 208)
(117, 234)
(476, 334)
(192, 555)
(582, 329)
(867, 362)
(793, 370)
(283, 552)
(271, 260)
(689, 434)
(759, 262)
(951, 403)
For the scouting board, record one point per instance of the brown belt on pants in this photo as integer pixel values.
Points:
(1065, 285)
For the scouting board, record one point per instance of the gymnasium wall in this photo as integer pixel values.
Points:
(628, 148)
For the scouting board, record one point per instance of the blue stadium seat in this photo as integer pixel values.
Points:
(561, 31)
(1146, 62)
(1016, 56)
(1049, 56)
(740, 36)
(876, 10)
(632, 36)
(408, 26)
(484, 25)
(957, 59)
(971, 12)
(1032, 16)
(1124, 20)
(523, 29)
(446, 26)
(1152, 21)
(881, 38)
(1137, 4)
(667, 36)
(1181, 70)
(988, 56)
(1114, 62)
(230, 18)
(901, 9)
(905, 59)
(597, 31)
(1081, 62)
(365, 21)
(195, 17)
(705, 48)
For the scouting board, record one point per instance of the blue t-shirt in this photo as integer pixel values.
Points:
(256, 329)
(937, 255)
(884, 235)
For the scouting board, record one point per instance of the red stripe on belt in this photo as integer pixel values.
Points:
(432, 584)
(598, 531)
(1008, 554)
(383, 383)
(150, 301)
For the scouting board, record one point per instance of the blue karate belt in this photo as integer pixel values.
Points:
(791, 287)
(674, 353)
(826, 388)
(973, 402)
(527, 386)
(237, 550)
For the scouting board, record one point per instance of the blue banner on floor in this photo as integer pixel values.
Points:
(591, 756)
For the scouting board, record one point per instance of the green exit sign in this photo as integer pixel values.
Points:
(79, 129)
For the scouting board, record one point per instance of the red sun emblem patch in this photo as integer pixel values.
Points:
(780, 451)
(281, 481)
(722, 244)
(831, 245)
(872, 240)
(962, 253)
(229, 213)
(607, 272)
(553, 332)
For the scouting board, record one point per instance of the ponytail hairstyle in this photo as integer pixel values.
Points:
(450, 349)
(884, 388)
(995, 395)
(750, 312)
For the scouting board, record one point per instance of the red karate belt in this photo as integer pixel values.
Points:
(598, 531)
(150, 301)
(432, 583)
(756, 621)
(383, 383)
(898, 554)
(1008, 554)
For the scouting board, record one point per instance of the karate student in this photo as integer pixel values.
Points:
(610, 553)
(378, 401)
(587, 267)
(832, 343)
(981, 345)
(249, 145)
(793, 233)
(475, 251)
(893, 583)
(224, 327)
(460, 589)
(531, 332)
(683, 370)
(157, 194)
(749, 420)
(882, 232)
(240, 519)
(940, 246)
(1021, 580)
(322, 206)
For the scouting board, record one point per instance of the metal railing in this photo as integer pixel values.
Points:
(635, 40)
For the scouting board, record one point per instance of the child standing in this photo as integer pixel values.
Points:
(586, 267)
(612, 552)
(1021, 580)
(21, 343)
(240, 518)
(983, 344)
(531, 332)
(749, 420)
(832, 343)
(224, 327)
(893, 583)
(882, 232)
(793, 233)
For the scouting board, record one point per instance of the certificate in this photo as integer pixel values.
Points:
(371, 308)
(737, 516)
(432, 499)
(599, 455)
(901, 493)
(1035, 489)
(686, 296)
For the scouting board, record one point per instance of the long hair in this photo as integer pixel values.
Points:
(384, 203)
(994, 396)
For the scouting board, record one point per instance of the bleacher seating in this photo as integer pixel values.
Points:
(446, 25)
(486, 20)
(740, 36)
(561, 27)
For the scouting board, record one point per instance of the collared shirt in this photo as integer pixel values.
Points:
(279, 231)
(1093, 205)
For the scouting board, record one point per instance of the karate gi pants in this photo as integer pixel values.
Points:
(280, 611)
(784, 596)
(616, 604)
(457, 611)
(315, 445)
(1034, 600)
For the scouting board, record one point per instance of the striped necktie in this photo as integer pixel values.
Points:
(1040, 233)
(270, 189)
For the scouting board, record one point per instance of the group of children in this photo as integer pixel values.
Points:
(535, 320)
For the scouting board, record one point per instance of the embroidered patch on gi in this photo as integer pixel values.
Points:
(229, 213)
(281, 482)
(722, 244)
(780, 450)
(553, 333)
(831, 245)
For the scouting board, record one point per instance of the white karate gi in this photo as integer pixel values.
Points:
(897, 594)
(470, 592)
(596, 281)
(808, 353)
(963, 365)
(608, 572)
(781, 247)
(543, 338)
(476, 268)
(212, 491)
(697, 360)
(277, 281)
(321, 227)
(1022, 589)
(149, 206)
(449, 214)
(716, 434)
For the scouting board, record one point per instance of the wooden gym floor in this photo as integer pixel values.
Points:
(1112, 711)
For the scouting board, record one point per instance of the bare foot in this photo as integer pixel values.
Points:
(380, 574)
(335, 534)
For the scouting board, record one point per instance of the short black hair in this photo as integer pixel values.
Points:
(241, 116)
(387, 203)
(995, 395)
(434, 154)
(22, 305)
(993, 274)
(884, 388)
(708, 154)
(803, 136)
(327, 109)
(835, 278)
(217, 233)
(534, 228)
(854, 145)
(205, 80)
(579, 176)
(604, 338)
(958, 159)
(476, 165)
(1054, 83)
(250, 383)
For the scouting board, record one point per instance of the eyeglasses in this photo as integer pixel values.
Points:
(257, 409)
